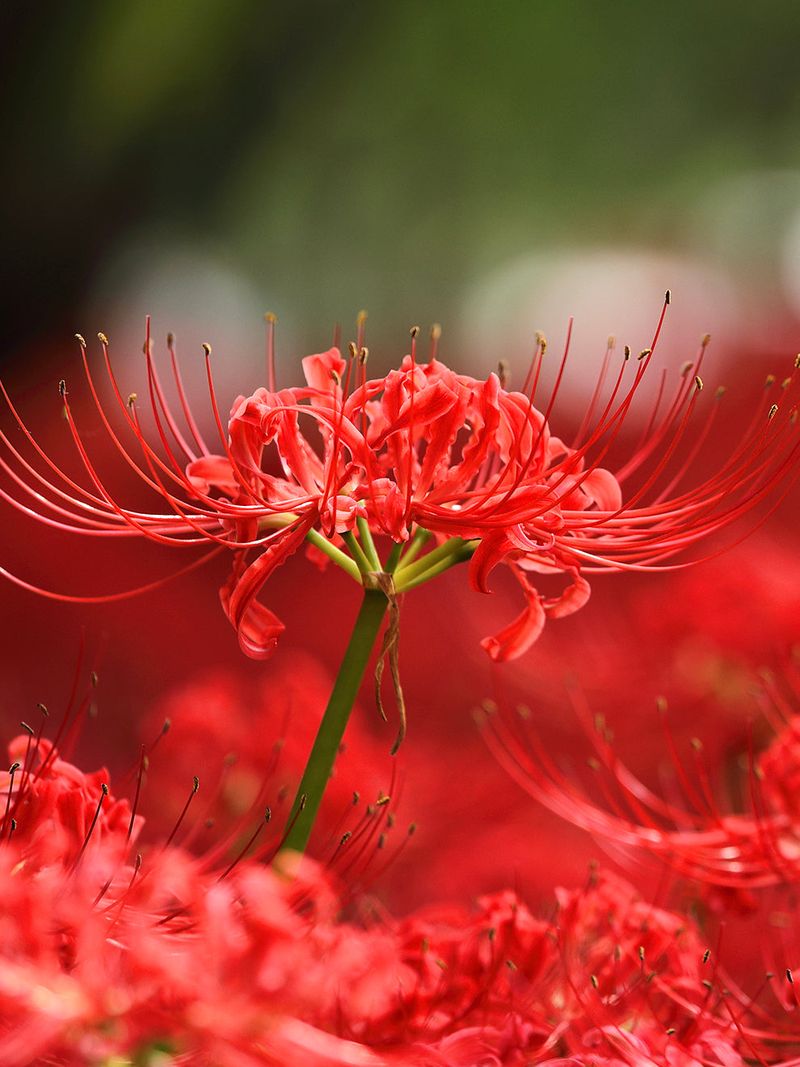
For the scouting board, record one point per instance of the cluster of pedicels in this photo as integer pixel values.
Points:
(159, 956)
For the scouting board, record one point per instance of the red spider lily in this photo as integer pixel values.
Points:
(422, 451)
(754, 848)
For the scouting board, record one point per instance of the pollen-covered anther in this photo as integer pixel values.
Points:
(62, 387)
(80, 339)
(102, 338)
(270, 317)
(627, 351)
(698, 381)
(769, 381)
(363, 355)
(773, 411)
(132, 398)
(668, 297)
(503, 372)
(207, 348)
(644, 353)
(541, 342)
(705, 340)
(352, 348)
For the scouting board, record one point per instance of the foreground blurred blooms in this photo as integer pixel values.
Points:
(418, 454)
(171, 959)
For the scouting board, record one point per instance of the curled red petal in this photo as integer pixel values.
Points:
(213, 472)
(571, 600)
(493, 549)
(257, 628)
(519, 635)
(603, 488)
(317, 369)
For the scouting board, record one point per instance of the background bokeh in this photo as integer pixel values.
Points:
(495, 168)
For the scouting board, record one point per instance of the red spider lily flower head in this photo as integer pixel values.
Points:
(441, 466)
(733, 848)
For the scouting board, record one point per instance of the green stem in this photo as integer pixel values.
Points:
(369, 545)
(415, 546)
(341, 559)
(407, 572)
(363, 564)
(331, 729)
(460, 554)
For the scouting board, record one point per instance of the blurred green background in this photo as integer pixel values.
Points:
(484, 165)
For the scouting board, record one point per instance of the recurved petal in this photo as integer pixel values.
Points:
(603, 488)
(518, 636)
(571, 600)
(213, 472)
(319, 369)
(258, 629)
(493, 549)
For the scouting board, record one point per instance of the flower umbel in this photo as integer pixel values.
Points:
(442, 466)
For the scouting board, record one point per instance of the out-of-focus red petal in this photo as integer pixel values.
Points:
(603, 488)
(213, 472)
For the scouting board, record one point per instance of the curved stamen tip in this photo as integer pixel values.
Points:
(769, 381)
(773, 411)
(102, 338)
(363, 355)
(627, 351)
(611, 343)
(503, 372)
(668, 296)
(207, 348)
(644, 353)
(361, 317)
(698, 381)
(436, 331)
(62, 387)
(195, 784)
(132, 398)
(80, 339)
(170, 339)
(104, 789)
(797, 361)
(352, 349)
(541, 341)
(414, 331)
(705, 340)
(270, 317)
(687, 366)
